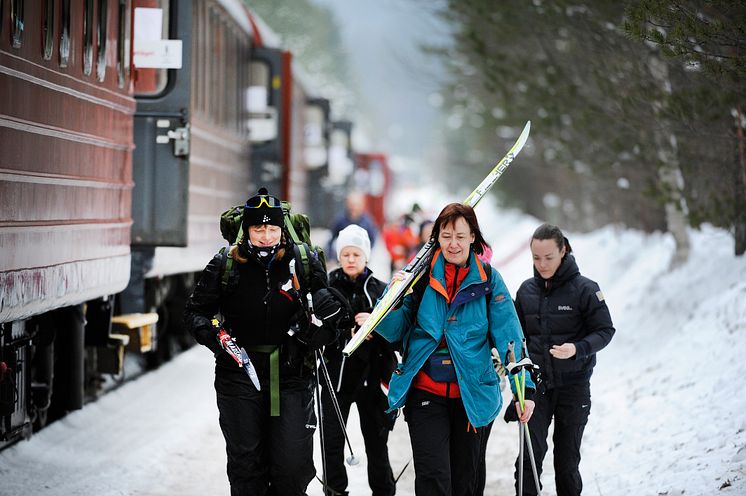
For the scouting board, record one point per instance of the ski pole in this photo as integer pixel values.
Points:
(528, 364)
(352, 459)
(320, 421)
(403, 469)
(520, 386)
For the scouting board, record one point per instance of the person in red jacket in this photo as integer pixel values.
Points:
(400, 241)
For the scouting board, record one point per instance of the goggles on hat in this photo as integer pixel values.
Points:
(259, 200)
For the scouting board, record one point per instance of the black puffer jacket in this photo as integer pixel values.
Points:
(568, 308)
(374, 361)
(258, 308)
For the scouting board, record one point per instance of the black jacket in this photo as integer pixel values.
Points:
(258, 308)
(374, 360)
(569, 308)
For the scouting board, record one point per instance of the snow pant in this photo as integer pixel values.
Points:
(482, 469)
(570, 407)
(375, 429)
(266, 455)
(445, 446)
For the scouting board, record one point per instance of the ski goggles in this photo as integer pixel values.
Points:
(259, 200)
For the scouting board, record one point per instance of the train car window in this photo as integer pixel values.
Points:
(65, 33)
(263, 120)
(88, 37)
(16, 23)
(101, 38)
(123, 43)
(48, 30)
(151, 82)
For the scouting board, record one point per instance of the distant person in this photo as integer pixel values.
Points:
(266, 408)
(362, 377)
(354, 213)
(400, 241)
(425, 231)
(566, 322)
(446, 382)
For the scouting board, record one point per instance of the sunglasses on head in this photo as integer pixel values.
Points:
(258, 201)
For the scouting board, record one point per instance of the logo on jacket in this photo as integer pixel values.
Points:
(499, 298)
(599, 295)
(564, 307)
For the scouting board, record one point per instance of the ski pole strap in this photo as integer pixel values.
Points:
(274, 375)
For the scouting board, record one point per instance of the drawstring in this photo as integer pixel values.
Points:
(470, 427)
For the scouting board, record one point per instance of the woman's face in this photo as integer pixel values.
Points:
(455, 240)
(547, 256)
(265, 235)
(352, 260)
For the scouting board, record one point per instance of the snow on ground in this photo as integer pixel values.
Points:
(667, 415)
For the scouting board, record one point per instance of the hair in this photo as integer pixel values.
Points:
(549, 231)
(450, 214)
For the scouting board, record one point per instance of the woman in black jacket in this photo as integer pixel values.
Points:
(268, 427)
(362, 377)
(566, 322)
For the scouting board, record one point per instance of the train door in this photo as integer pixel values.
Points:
(160, 160)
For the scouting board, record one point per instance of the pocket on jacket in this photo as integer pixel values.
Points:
(488, 377)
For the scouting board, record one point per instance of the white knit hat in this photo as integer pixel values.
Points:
(353, 235)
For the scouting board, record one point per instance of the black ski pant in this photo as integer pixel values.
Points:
(482, 469)
(569, 406)
(446, 448)
(266, 455)
(370, 404)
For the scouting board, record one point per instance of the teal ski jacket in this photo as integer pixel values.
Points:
(469, 333)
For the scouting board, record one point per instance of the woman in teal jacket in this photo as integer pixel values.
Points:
(446, 382)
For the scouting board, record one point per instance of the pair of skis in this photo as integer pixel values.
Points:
(418, 266)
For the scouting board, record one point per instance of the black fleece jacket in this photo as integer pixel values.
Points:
(258, 308)
(374, 361)
(568, 308)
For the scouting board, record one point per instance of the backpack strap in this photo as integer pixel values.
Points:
(226, 266)
(301, 249)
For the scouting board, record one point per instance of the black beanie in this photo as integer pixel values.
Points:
(262, 209)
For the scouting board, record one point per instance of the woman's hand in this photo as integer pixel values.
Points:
(528, 406)
(563, 351)
(398, 276)
(360, 319)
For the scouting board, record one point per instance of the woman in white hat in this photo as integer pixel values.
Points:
(361, 378)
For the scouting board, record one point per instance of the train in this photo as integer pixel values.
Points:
(126, 128)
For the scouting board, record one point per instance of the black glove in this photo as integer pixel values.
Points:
(511, 414)
(328, 309)
(208, 336)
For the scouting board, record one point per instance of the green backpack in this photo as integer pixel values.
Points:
(297, 225)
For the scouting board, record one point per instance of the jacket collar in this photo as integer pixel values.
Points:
(438, 273)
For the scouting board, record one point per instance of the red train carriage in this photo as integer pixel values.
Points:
(66, 146)
(78, 126)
